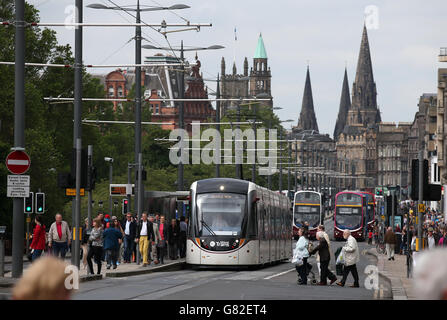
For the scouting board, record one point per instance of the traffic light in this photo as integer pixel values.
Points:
(125, 206)
(415, 179)
(91, 179)
(431, 192)
(40, 202)
(28, 203)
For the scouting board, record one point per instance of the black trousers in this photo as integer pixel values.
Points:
(353, 270)
(302, 271)
(325, 272)
(95, 252)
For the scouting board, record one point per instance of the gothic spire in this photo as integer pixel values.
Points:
(345, 104)
(364, 89)
(307, 120)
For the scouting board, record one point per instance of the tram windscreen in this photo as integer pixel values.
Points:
(304, 213)
(221, 213)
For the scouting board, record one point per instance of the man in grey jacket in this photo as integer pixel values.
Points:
(351, 256)
(59, 237)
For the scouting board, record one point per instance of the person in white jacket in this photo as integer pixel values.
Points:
(351, 256)
(301, 253)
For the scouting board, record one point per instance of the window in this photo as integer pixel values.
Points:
(111, 91)
(120, 91)
(157, 111)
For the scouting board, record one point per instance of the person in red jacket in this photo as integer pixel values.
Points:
(39, 237)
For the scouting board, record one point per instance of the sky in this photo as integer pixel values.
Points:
(404, 35)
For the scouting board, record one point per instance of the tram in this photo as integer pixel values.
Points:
(371, 201)
(237, 223)
(307, 207)
(351, 212)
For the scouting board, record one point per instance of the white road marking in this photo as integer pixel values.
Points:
(278, 274)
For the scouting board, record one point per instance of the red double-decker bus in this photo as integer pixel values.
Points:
(350, 213)
(371, 198)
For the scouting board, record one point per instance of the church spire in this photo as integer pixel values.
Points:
(364, 89)
(307, 120)
(345, 104)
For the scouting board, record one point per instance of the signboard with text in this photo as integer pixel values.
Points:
(18, 186)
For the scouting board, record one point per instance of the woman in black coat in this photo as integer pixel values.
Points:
(325, 257)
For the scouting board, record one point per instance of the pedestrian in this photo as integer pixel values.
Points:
(112, 240)
(157, 238)
(351, 257)
(370, 236)
(431, 241)
(301, 254)
(157, 218)
(96, 246)
(59, 237)
(38, 243)
(161, 247)
(328, 241)
(390, 241)
(130, 232)
(145, 234)
(325, 257)
(183, 235)
(117, 225)
(173, 238)
(44, 280)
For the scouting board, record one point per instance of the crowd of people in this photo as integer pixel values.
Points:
(114, 241)
(304, 249)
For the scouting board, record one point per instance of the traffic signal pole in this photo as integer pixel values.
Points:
(420, 196)
(19, 134)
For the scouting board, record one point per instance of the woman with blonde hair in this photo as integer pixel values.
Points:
(44, 280)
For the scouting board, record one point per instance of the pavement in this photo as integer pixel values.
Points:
(395, 271)
(123, 270)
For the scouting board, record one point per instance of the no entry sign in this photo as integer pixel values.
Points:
(18, 162)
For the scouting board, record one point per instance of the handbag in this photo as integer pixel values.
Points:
(161, 244)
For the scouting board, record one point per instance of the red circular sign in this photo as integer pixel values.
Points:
(18, 162)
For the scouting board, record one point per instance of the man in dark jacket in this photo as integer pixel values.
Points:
(112, 237)
(390, 241)
(130, 232)
(173, 238)
(325, 257)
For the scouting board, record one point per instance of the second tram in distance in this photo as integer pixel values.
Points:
(307, 207)
(236, 222)
(351, 212)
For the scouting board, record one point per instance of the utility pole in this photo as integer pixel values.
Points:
(129, 182)
(77, 133)
(288, 167)
(295, 166)
(280, 161)
(238, 166)
(181, 119)
(253, 166)
(393, 208)
(138, 201)
(269, 177)
(302, 166)
(90, 165)
(218, 127)
(420, 195)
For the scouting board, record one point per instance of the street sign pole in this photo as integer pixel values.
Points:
(19, 134)
(420, 196)
(90, 164)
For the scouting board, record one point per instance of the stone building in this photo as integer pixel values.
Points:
(441, 132)
(246, 85)
(357, 124)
